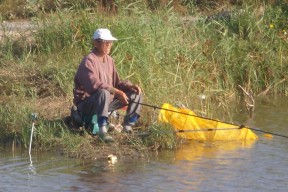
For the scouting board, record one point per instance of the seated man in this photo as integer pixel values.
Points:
(99, 90)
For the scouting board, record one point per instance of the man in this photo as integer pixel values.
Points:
(99, 90)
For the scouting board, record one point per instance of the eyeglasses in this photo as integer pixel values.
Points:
(104, 41)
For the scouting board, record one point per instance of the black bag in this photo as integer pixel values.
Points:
(76, 117)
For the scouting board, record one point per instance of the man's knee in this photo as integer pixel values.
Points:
(103, 93)
(97, 100)
(133, 96)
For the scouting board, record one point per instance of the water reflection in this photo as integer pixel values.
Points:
(198, 150)
(103, 176)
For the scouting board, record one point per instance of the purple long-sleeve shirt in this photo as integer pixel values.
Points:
(93, 73)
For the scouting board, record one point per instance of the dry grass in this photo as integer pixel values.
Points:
(124, 146)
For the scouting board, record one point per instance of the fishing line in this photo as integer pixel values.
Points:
(238, 126)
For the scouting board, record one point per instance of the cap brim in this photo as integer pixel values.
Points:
(110, 39)
(106, 38)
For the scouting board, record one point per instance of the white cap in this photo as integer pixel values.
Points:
(103, 34)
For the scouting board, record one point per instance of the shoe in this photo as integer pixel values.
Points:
(127, 129)
(104, 136)
(129, 121)
(102, 129)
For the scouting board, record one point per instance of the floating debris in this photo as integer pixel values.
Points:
(112, 159)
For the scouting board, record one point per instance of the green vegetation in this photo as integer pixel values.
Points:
(173, 57)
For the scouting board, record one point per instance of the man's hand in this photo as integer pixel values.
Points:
(121, 96)
(135, 89)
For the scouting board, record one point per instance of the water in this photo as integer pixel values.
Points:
(219, 166)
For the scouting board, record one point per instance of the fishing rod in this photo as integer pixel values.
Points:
(34, 116)
(31, 167)
(210, 119)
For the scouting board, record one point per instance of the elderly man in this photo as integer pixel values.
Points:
(99, 90)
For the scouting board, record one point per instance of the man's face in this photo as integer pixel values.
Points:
(103, 46)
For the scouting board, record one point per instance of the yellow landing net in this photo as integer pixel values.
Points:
(197, 128)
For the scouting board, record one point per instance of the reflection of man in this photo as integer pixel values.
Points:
(98, 88)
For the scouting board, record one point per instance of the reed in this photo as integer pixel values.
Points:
(14, 122)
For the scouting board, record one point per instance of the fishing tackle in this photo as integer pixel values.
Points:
(239, 126)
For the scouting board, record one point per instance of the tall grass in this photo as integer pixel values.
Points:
(172, 60)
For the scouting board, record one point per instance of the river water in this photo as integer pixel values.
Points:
(261, 165)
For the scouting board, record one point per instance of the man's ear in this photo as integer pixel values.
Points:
(94, 42)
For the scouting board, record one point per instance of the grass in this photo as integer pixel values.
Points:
(172, 60)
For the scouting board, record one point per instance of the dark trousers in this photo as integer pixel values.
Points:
(100, 103)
